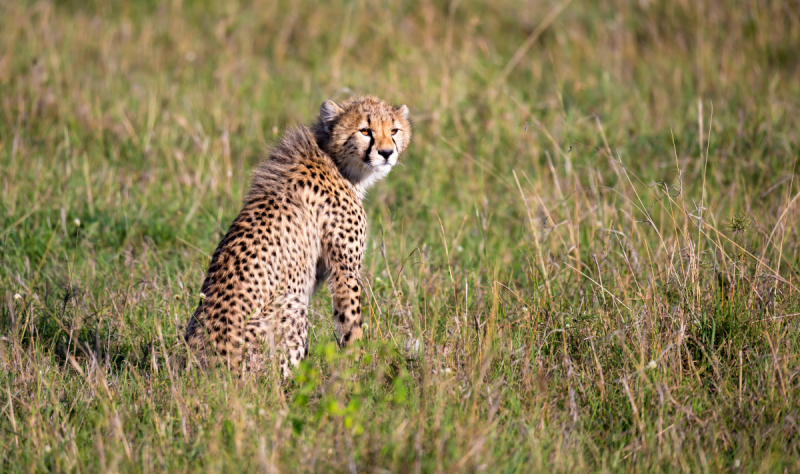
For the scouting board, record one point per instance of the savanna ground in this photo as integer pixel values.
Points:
(589, 260)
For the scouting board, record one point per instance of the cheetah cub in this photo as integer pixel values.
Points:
(301, 222)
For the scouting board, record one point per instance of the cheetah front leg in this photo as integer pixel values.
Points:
(347, 309)
(344, 262)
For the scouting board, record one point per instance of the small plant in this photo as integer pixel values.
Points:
(739, 224)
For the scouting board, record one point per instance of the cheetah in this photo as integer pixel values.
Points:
(302, 222)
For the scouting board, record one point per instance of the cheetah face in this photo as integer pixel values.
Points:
(365, 137)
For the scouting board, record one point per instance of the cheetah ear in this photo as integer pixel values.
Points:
(329, 111)
(402, 111)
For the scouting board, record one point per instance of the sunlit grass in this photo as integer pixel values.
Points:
(587, 261)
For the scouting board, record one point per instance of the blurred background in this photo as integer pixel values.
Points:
(587, 259)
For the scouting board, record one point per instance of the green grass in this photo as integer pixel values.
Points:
(593, 235)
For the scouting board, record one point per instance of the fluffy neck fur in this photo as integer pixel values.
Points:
(362, 177)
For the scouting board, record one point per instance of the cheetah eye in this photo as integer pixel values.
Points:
(365, 131)
(395, 130)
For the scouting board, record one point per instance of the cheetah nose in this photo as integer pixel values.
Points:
(386, 153)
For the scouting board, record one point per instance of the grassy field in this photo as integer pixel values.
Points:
(589, 259)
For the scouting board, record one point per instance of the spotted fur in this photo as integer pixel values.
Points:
(301, 222)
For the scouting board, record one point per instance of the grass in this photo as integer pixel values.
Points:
(588, 261)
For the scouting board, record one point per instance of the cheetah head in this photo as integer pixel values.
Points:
(364, 136)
